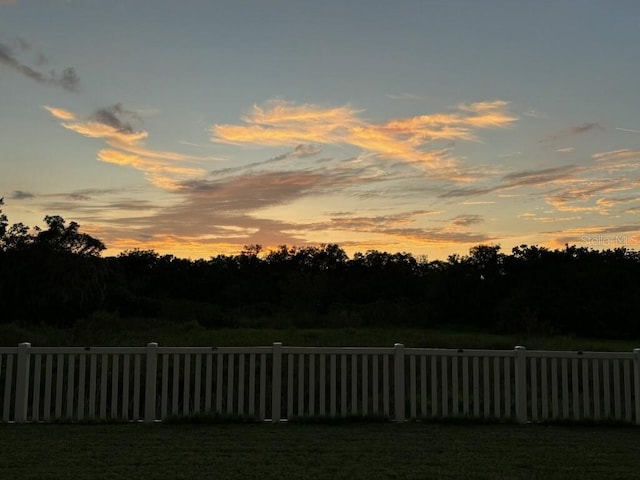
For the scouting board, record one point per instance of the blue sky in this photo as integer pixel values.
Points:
(198, 127)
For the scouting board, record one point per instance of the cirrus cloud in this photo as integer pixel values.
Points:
(112, 124)
(283, 123)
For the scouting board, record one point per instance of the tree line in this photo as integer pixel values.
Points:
(56, 276)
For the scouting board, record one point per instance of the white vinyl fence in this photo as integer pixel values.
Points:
(40, 384)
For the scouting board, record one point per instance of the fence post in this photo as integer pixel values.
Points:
(150, 383)
(398, 381)
(521, 384)
(276, 382)
(636, 362)
(22, 383)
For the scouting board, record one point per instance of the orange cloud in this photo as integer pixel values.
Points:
(162, 168)
(161, 174)
(60, 113)
(284, 123)
(101, 130)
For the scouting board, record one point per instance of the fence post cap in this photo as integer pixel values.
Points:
(24, 344)
(398, 345)
(152, 344)
(520, 347)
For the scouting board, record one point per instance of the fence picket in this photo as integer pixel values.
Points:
(312, 385)
(476, 386)
(114, 386)
(486, 398)
(544, 388)
(333, 381)
(252, 383)
(59, 384)
(103, 387)
(92, 386)
(354, 384)
(35, 409)
(290, 385)
(565, 388)
(507, 387)
(301, 373)
(616, 390)
(175, 384)
(322, 384)
(164, 386)
(263, 386)
(208, 381)
(575, 389)
(126, 364)
(8, 384)
(455, 407)
(412, 386)
(533, 367)
(385, 384)
(198, 384)
(586, 401)
(230, 381)
(596, 389)
(343, 385)
(627, 391)
(434, 387)
(465, 385)
(444, 386)
(186, 384)
(136, 387)
(374, 393)
(219, 380)
(70, 385)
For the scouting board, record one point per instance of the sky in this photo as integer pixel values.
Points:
(194, 128)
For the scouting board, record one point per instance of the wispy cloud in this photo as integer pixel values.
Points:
(478, 202)
(21, 195)
(115, 116)
(590, 189)
(67, 80)
(627, 130)
(60, 113)
(279, 122)
(577, 130)
(401, 229)
(161, 174)
(547, 176)
(407, 96)
(466, 220)
(113, 124)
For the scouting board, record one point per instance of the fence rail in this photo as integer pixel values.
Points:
(40, 384)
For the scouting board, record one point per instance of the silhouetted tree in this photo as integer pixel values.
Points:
(51, 276)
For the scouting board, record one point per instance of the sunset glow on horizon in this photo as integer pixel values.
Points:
(195, 128)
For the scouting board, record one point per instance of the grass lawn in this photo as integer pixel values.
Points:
(353, 451)
(139, 333)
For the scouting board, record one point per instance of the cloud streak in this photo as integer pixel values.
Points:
(282, 123)
(112, 124)
(68, 79)
(573, 131)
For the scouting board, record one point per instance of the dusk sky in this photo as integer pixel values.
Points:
(197, 127)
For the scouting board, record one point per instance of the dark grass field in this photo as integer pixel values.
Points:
(140, 332)
(353, 451)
